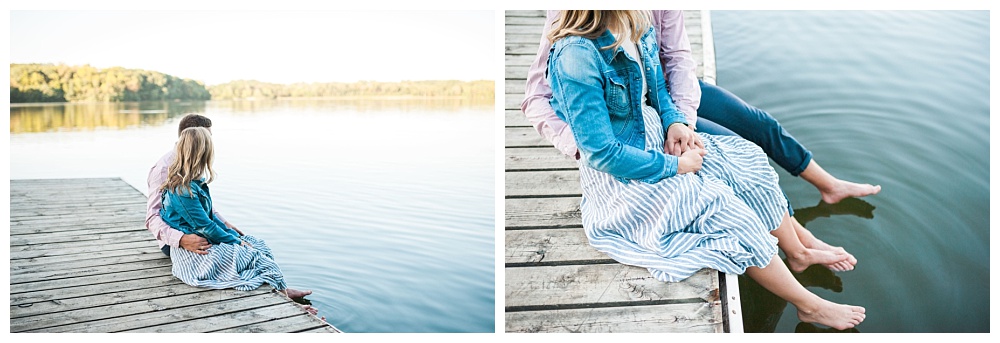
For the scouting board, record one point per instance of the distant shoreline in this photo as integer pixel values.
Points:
(373, 97)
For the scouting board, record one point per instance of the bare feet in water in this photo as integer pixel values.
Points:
(842, 266)
(837, 316)
(310, 309)
(295, 294)
(800, 260)
(811, 242)
(841, 190)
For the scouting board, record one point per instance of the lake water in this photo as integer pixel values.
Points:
(385, 209)
(900, 99)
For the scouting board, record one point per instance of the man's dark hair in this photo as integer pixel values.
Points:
(193, 120)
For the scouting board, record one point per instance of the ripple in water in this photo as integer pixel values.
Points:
(898, 98)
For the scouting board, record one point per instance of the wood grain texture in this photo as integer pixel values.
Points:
(535, 159)
(671, 318)
(595, 284)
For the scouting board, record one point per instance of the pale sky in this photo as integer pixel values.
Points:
(271, 46)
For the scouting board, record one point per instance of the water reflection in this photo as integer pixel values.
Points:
(762, 309)
(809, 328)
(26, 118)
(849, 206)
(92, 116)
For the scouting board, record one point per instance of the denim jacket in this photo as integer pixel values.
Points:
(597, 92)
(192, 213)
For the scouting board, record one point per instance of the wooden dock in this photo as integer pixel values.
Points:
(81, 260)
(554, 281)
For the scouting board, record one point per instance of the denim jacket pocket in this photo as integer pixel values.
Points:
(617, 98)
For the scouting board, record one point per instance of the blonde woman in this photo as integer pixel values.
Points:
(234, 260)
(716, 206)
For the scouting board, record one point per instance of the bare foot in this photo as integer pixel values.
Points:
(295, 294)
(846, 189)
(837, 316)
(841, 266)
(310, 309)
(811, 242)
(801, 260)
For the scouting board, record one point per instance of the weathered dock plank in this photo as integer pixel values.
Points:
(542, 213)
(569, 286)
(549, 246)
(554, 280)
(537, 159)
(18, 288)
(81, 260)
(673, 318)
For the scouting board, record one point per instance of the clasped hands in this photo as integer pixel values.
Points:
(682, 142)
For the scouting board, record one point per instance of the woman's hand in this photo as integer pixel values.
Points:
(244, 243)
(690, 161)
(680, 139)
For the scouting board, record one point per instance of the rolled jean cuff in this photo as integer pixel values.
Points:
(802, 166)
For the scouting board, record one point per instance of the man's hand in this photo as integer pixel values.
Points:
(690, 161)
(680, 139)
(231, 226)
(194, 243)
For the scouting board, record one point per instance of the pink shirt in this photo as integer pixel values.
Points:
(679, 68)
(157, 176)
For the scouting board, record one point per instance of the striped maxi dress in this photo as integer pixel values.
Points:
(719, 217)
(229, 266)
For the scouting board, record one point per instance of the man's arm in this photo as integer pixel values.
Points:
(679, 67)
(537, 93)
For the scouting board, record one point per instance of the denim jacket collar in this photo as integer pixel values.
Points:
(604, 40)
(607, 39)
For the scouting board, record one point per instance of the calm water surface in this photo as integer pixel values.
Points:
(899, 99)
(385, 209)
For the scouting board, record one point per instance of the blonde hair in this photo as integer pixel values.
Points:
(195, 155)
(592, 24)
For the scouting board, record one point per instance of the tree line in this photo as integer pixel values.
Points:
(249, 89)
(62, 83)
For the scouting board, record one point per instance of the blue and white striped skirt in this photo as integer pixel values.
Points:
(719, 217)
(229, 266)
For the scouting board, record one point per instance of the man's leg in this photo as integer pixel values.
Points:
(726, 109)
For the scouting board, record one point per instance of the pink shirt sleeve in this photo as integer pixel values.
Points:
(537, 94)
(160, 230)
(679, 67)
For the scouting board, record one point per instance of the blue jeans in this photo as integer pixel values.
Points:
(723, 113)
